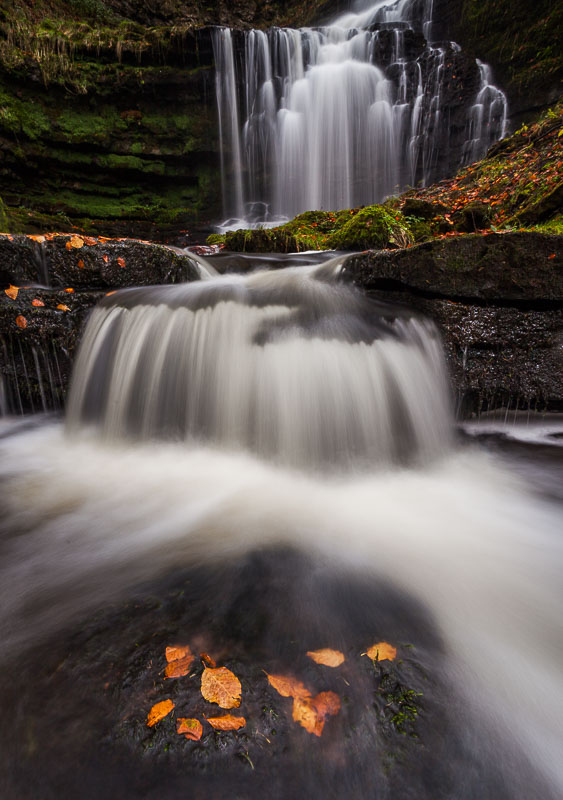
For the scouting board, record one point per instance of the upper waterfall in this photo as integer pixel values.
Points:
(347, 114)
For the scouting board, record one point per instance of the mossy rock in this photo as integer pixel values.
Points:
(473, 217)
(423, 209)
(373, 227)
(273, 240)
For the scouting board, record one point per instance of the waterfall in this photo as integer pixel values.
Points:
(286, 364)
(488, 116)
(343, 115)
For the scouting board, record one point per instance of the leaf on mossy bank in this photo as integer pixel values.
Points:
(382, 651)
(12, 292)
(312, 712)
(327, 657)
(288, 686)
(221, 686)
(159, 711)
(191, 728)
(226, 722)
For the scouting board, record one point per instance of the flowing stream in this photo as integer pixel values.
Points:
(285, 409)
(372, 95)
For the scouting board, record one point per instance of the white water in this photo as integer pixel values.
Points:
(343, 115)
(316, 375)
(85, 520)
(465, 538)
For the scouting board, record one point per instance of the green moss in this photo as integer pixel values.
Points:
(81, 126)
(216, 238)
(4, 224)
(19, 116)
(372, 227)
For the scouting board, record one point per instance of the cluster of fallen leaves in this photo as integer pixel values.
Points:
(219, 685)
(13, 291)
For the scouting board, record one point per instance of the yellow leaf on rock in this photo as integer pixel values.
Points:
(37, 238)
(62, 307)
(191, 728)
(226, 723)
(221, 686)
(179, 661)
(74, 241)
(327, 657)
(288, 686)
(159, 711)
(12, 291)
(382, 651)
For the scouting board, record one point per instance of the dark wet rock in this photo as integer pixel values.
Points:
(473, 217)
(509, 267)
(497, 300)
(78, 703)
(38, 341)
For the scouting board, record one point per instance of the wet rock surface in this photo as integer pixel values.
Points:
(58, 280)
(497, 300)
(77, 705)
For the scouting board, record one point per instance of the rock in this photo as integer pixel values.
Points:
(58, 284)
(497, 300)
(507, 267)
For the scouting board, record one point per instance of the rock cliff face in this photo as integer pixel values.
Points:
(519, 39)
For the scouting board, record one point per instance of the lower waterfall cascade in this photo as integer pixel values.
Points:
(346, 114)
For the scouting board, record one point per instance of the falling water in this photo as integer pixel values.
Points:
(488, 117)
(317, 375)
(340, 116)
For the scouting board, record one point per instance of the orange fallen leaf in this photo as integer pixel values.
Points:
(81, 263)
(69, 290)
(37, 303)
(179, 659)
(207, 660)
(327, 657)
(288, 686)
(552, 256)
(311, 712)
(37, 238)
(221, 686)
(74, 241)
(159, 711)
(106, 258)
(110, 293)
(121, 261)
(12, 291)
(176, 652)
(21, 322)
(382, 651)
(226, 722)
(89, 240)
(191, 728)
(62, 307)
